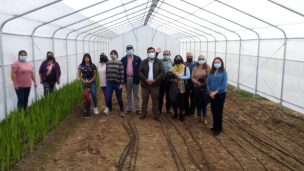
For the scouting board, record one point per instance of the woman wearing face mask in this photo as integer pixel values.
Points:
(22, 75)
(87, 74)
(102, 76)
(216, 87)
(115, 80)
(49, 73)
(199, 78)
(182, 74)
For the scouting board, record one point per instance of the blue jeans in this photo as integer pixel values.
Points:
(23, 95)
(93, 92)
(111, 86)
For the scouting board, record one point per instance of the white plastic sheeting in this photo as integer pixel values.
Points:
(260, 41)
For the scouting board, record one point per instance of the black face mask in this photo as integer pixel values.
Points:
(178, 61)
(189, 59)
(50, 57)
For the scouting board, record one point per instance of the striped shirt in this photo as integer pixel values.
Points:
(115, 71)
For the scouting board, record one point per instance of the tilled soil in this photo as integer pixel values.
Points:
(258, 135)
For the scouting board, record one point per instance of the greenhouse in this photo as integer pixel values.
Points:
(257, 44)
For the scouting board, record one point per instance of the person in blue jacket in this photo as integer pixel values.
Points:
(131, 64)
(216, 88)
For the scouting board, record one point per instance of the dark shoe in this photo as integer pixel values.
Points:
(212, 129)
(142, 117)
(128, 111)
(157, 119)
(215, 133)
(137, 112)
(174, 116)
(181, 117)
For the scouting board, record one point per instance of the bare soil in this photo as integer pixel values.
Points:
(258, 135)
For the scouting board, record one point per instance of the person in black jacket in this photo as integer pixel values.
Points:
(131, 64)
(151, 72)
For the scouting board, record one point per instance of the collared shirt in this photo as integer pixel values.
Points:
(130, 65)
(217, 82)
(150, 74)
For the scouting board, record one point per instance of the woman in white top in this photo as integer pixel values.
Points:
(102, 75)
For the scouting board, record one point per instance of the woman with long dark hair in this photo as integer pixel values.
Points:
(49, 73)
(177, 86)
(216, 87)
(87, 74)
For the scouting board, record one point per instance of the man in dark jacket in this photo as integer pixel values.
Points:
(189, 108)
(131, 64)
(151, 73)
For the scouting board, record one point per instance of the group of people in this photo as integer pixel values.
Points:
(22, 75)
(185, 86)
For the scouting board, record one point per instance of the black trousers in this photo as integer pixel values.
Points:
(189, 107)
(164, 90)
(217, 106)
(178, 106)
(201, 100)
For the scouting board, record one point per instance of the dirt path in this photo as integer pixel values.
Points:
(257, 136)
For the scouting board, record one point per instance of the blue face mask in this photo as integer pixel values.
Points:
(22, 58)
(151, 55)
(167, 57)
(201, 62)
(130, 52)
(217, 66)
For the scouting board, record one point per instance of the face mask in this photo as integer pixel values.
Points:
(189, 59)
(151, 55)
(166, 57)
(178, 61)
(114, 57)
(130, 52)
(217, 66)
(22, 58)
(50, 57)
(201, 62)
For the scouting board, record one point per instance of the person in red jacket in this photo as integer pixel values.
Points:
(87, 100)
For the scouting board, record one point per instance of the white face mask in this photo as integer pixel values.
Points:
(114, 57)
(23, 58)
(151, 55)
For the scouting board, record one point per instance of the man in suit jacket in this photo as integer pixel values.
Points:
(151, 72)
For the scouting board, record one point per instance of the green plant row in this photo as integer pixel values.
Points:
(23, 129)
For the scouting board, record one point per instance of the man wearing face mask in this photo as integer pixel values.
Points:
(131, 64)
(189, 108)
(151, 73)
(49, 73)
(165, 84)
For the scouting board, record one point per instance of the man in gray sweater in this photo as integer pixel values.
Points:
(151, 73)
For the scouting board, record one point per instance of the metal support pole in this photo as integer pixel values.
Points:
(67, 59)
(257, 69)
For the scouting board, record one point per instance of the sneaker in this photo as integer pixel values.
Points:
(106, 111)
(95, 111)
(122, 114)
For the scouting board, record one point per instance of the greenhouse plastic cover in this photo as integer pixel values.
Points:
(261, 41)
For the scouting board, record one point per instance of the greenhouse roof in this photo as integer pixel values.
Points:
(181, 19)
